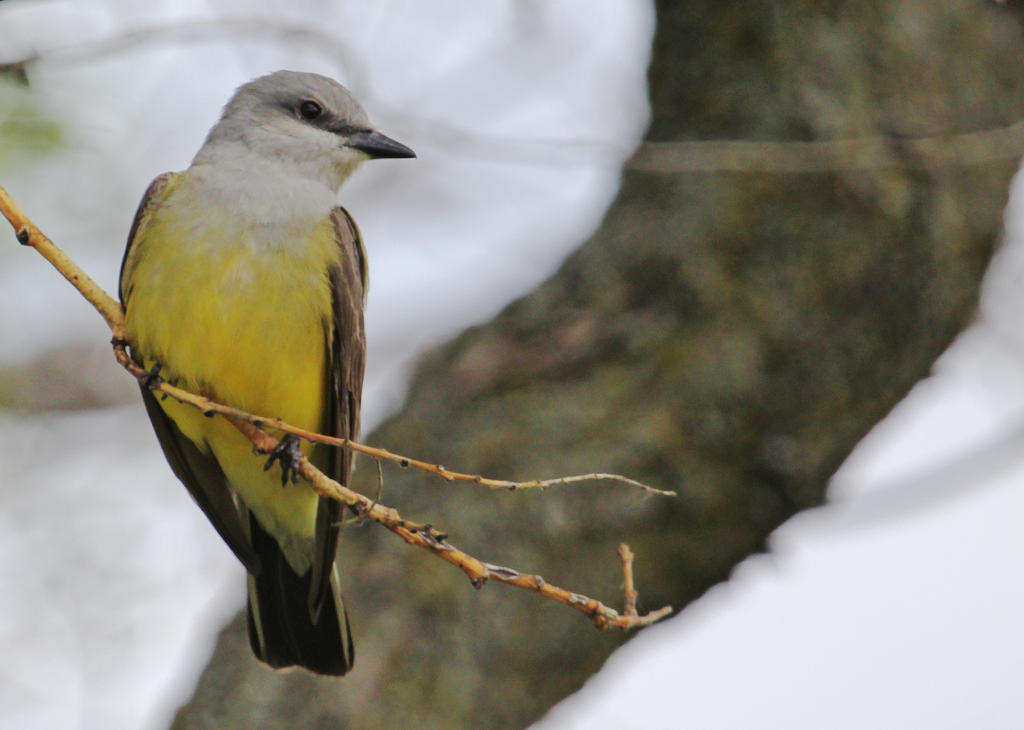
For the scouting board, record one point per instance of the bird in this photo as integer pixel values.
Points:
(243, 280)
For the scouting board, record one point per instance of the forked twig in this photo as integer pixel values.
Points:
(421, 535)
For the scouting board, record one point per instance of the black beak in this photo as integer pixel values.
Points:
(376, 144)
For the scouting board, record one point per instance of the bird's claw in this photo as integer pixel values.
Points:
(153, 379)
(290, 455)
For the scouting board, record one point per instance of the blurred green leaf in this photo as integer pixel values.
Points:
(26, 129)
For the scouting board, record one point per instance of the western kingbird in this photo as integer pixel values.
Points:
(243, 280)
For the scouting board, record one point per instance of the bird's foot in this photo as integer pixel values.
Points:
(153, 379)
(290, 455)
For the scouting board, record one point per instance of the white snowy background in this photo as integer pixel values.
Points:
(896, 606)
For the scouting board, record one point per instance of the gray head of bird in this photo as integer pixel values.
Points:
(304, 121)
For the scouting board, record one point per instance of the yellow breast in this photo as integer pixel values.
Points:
(241, 313)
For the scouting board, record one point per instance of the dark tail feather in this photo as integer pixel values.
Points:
(281, 629)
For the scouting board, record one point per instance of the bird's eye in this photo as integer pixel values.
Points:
(310, 110)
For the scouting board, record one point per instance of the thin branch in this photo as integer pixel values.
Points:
(210, 407)
(969, 148)
(628, 589)
(29, 235)
(181, 31)
(421, 535)
(430, 538)
(865, 152)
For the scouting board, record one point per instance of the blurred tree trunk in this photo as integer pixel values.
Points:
(731, 335)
